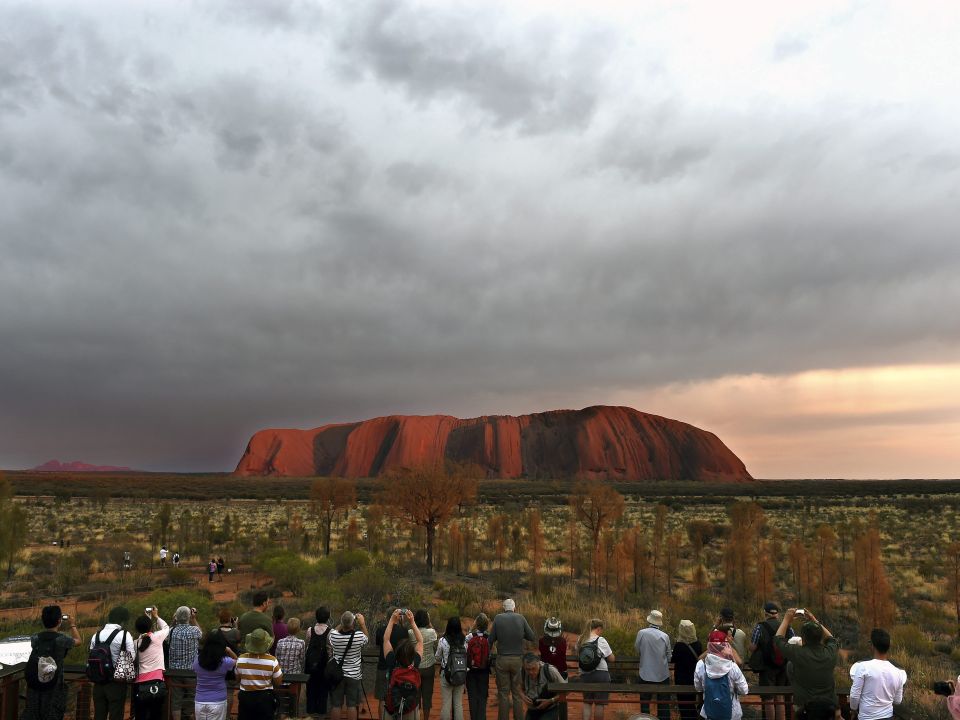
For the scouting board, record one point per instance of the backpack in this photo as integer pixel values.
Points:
(717, 698)
(478, 652)
(403, 692)
(455, 670)
(767, 656)
(588, 657)
(316, 654)
(43, 669)
(100, 667)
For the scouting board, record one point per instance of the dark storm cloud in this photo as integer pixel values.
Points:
(529, 76)
(192, 250)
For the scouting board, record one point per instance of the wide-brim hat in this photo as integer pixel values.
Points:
(259, 641)
(687, 631)
(655, 618)
(552, 627)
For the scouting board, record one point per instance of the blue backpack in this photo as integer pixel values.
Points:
(717, 698)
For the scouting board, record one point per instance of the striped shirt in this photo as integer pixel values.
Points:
(257, 671)
(338, 645)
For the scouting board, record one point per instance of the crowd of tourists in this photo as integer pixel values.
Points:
(262, 646)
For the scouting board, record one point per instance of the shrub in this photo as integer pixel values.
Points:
(348, 560)
(167, 601)
(365, 589)
(179, 576)
(288, 570)
(461, 597)
(621, 640)
(910, 639)
(442, 613)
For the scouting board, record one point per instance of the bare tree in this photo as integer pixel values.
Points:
(331, 498)
(13, 527)
(429, 496)
(595, 505)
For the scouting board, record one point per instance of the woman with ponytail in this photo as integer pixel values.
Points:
(150, 692)
(594, 650)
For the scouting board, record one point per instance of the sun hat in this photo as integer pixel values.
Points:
(655, 618)
(552, 627)
(687, 633)
(258, 641)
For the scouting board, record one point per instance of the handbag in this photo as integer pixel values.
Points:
(124, 670)
(333, 673)
(152, 691)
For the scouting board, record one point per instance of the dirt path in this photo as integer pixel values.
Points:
(224, 591)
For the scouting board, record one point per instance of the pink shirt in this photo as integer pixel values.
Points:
(151, 659)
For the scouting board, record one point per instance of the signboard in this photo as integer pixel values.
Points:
(14, 650)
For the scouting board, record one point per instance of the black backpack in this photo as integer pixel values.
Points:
(588, 658)
(767, 656)
(316, 655)
(100, 660)
(43, 656)
(455, 671)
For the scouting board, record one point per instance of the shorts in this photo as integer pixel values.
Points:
(775, 677)
(595, 676)
(381, 683)
(348, 689)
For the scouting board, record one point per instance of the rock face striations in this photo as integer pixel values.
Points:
(616, 443)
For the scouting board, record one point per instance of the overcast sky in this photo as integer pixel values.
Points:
(222, 216)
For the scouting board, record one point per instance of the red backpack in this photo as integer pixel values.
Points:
(478, 652)
(403, 693)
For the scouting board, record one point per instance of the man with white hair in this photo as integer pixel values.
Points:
(184, 643)
(509, 631)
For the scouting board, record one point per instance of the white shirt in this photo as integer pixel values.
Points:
(115, 645)
(716, 666)
(877, 687)
(603, 647)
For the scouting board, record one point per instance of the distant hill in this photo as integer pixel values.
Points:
(77, 466)
(602, 442)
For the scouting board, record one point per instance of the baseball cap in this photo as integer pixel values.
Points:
(771, 607)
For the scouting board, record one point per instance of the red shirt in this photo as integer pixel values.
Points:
(553, 651)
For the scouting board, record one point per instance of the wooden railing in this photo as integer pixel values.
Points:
(12, 691)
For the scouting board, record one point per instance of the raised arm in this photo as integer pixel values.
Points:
(416, 633)
(826, 633)
(387, 645)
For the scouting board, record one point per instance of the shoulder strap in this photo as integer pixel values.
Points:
(109, 640)
(692, 651)
(347, 649)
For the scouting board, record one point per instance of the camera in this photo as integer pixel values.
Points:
(801, 612)
(65, 617)
(941, 687)
(148, 610)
